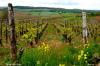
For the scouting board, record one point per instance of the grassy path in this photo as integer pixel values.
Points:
(50, 35)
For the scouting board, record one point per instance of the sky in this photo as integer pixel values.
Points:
(68, 4)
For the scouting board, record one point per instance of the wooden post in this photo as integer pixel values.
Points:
(12, 32)
(84, 28)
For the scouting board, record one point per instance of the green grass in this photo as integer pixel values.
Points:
(43, 13)
(62, 55)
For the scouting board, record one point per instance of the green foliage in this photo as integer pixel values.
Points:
(39, 58)
(87, 54)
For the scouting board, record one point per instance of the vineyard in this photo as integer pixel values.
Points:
(53, 40)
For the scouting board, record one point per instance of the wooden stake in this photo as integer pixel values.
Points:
(84, 28)
(12, 32)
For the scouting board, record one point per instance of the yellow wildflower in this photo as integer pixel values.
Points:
(79, 57)
(44, 47)
(61, 64)
(85, 55)
(85, 58)
(82, 52)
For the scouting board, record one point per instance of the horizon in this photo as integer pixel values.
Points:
(49, 7)
(66, 4)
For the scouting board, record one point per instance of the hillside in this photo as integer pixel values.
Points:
(46, 11)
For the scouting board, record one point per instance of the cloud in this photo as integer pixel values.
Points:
(79, 4)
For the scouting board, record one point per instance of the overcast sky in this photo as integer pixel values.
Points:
(69, 4)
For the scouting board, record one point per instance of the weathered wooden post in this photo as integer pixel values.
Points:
(84, 28)
(12, 32)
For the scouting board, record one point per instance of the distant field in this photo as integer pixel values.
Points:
(43, 13)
